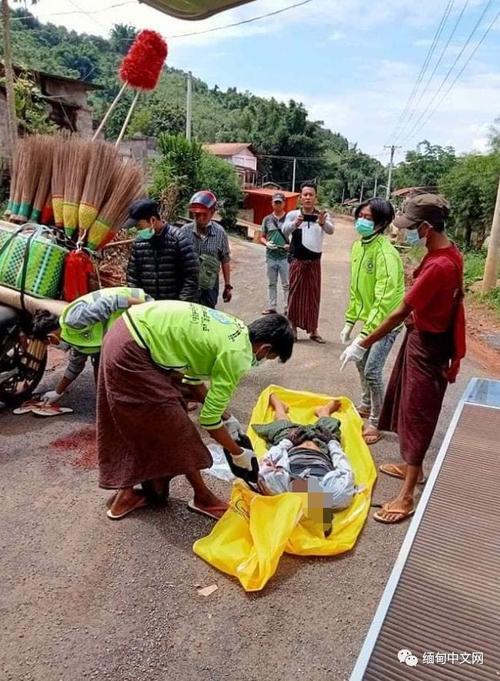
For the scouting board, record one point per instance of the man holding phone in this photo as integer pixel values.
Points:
(306, 229)
(277, 248)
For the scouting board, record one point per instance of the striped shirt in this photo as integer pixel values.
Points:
(214, 242)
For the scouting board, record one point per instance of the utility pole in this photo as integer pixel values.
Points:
(294, 174)
(493, 257)
(343, 195)
(9, 83)
(362, 190)
(393, 148)
(189, 105)
(375, 186)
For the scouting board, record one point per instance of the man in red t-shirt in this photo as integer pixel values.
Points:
(430, 355)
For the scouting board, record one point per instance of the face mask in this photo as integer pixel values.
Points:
(146, 233)
(365, 227)
(414, 239)
(258, 362)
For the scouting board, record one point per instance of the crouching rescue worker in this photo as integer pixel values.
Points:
(81, 329)
(144, 434)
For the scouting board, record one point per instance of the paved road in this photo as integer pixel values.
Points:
(82, 597)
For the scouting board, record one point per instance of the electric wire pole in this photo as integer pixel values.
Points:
(393, 148)
(493, 257)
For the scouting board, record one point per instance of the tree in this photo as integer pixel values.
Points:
(425, 166)
(121, 37)
(471, 187)
(219, 177)
(494, 136)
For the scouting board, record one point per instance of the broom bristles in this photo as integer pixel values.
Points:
(46, 150)
(128, 185)
(59, 168)
(102, 162)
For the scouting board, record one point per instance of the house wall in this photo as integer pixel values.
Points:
(245, 159)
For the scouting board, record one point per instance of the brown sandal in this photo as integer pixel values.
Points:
(400, 513)
(394, 471)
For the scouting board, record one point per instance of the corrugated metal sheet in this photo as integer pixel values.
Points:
(443, 597)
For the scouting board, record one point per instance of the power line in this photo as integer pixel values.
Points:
(452, 67)
(436, 66)
(243, 21)
(483, 37)
(423, 69)
(79, 11)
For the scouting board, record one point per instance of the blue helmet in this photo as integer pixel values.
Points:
(203, 200)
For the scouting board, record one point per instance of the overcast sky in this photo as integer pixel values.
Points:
(353, 63)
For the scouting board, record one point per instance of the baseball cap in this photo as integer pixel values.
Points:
(431, 208)
(142, 209)
(278, 196)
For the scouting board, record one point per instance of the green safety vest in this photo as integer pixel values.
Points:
(88, 340)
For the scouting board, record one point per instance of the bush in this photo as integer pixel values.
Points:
(219, 177)
(184, 168)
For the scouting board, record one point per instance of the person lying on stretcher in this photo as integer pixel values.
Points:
(306, 458)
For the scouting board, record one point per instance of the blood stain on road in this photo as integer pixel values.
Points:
(83, 443)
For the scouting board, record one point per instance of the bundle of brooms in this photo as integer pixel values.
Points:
(90, 185)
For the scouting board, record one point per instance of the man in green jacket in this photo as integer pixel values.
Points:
(377, 289)
(81, 329)
(143, 431)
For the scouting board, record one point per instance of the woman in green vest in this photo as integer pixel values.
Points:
(81, 329)
(144, 433)
(377, 289)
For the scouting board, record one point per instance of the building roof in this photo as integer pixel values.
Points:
(405, 191)
(227, 148)
(53, 76)
(261, 191)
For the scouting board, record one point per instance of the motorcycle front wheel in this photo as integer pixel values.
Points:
(22, 364)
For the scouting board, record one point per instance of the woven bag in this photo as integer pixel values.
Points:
(31, 261)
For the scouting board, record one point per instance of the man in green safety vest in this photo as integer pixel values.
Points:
(81, 329)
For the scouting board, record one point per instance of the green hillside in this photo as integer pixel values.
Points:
(274, 128)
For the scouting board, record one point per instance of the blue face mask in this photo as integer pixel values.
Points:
(413, 238)
(365, 227)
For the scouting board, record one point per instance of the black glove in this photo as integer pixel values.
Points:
(243, 473)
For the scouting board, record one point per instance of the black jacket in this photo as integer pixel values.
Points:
(165, 266)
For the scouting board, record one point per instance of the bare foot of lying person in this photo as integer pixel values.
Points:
(281, 408)
(328, 409)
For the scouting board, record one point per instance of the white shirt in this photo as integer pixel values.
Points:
(312, 232)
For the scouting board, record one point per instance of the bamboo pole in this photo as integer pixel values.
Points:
(109, 111)
(129, 116)
(493, 257)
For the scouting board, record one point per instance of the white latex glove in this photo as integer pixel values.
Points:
(353, 353)
(234, 427)
(244, 460)
(51, 396)
(345, 334)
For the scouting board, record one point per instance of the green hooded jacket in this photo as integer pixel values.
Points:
(377, 282)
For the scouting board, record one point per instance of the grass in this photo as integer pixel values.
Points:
(474, 262)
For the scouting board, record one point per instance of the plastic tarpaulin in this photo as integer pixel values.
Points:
(248, 541)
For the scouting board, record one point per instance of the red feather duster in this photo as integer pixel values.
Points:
(142, 65)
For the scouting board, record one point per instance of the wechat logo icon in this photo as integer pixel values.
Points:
(407, 657)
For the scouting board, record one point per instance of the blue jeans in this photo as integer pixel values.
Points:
(275, 268)
(371, 370)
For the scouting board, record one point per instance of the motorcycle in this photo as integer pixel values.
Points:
(22, 358)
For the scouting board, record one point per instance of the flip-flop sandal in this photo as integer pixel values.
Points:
(403, 515)
(393, 471)
(364, 412)
(27, 407)
(371, 438)
(141, 503)
(318, 339)
(51, 410)
(214, 512)
(269, 311)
